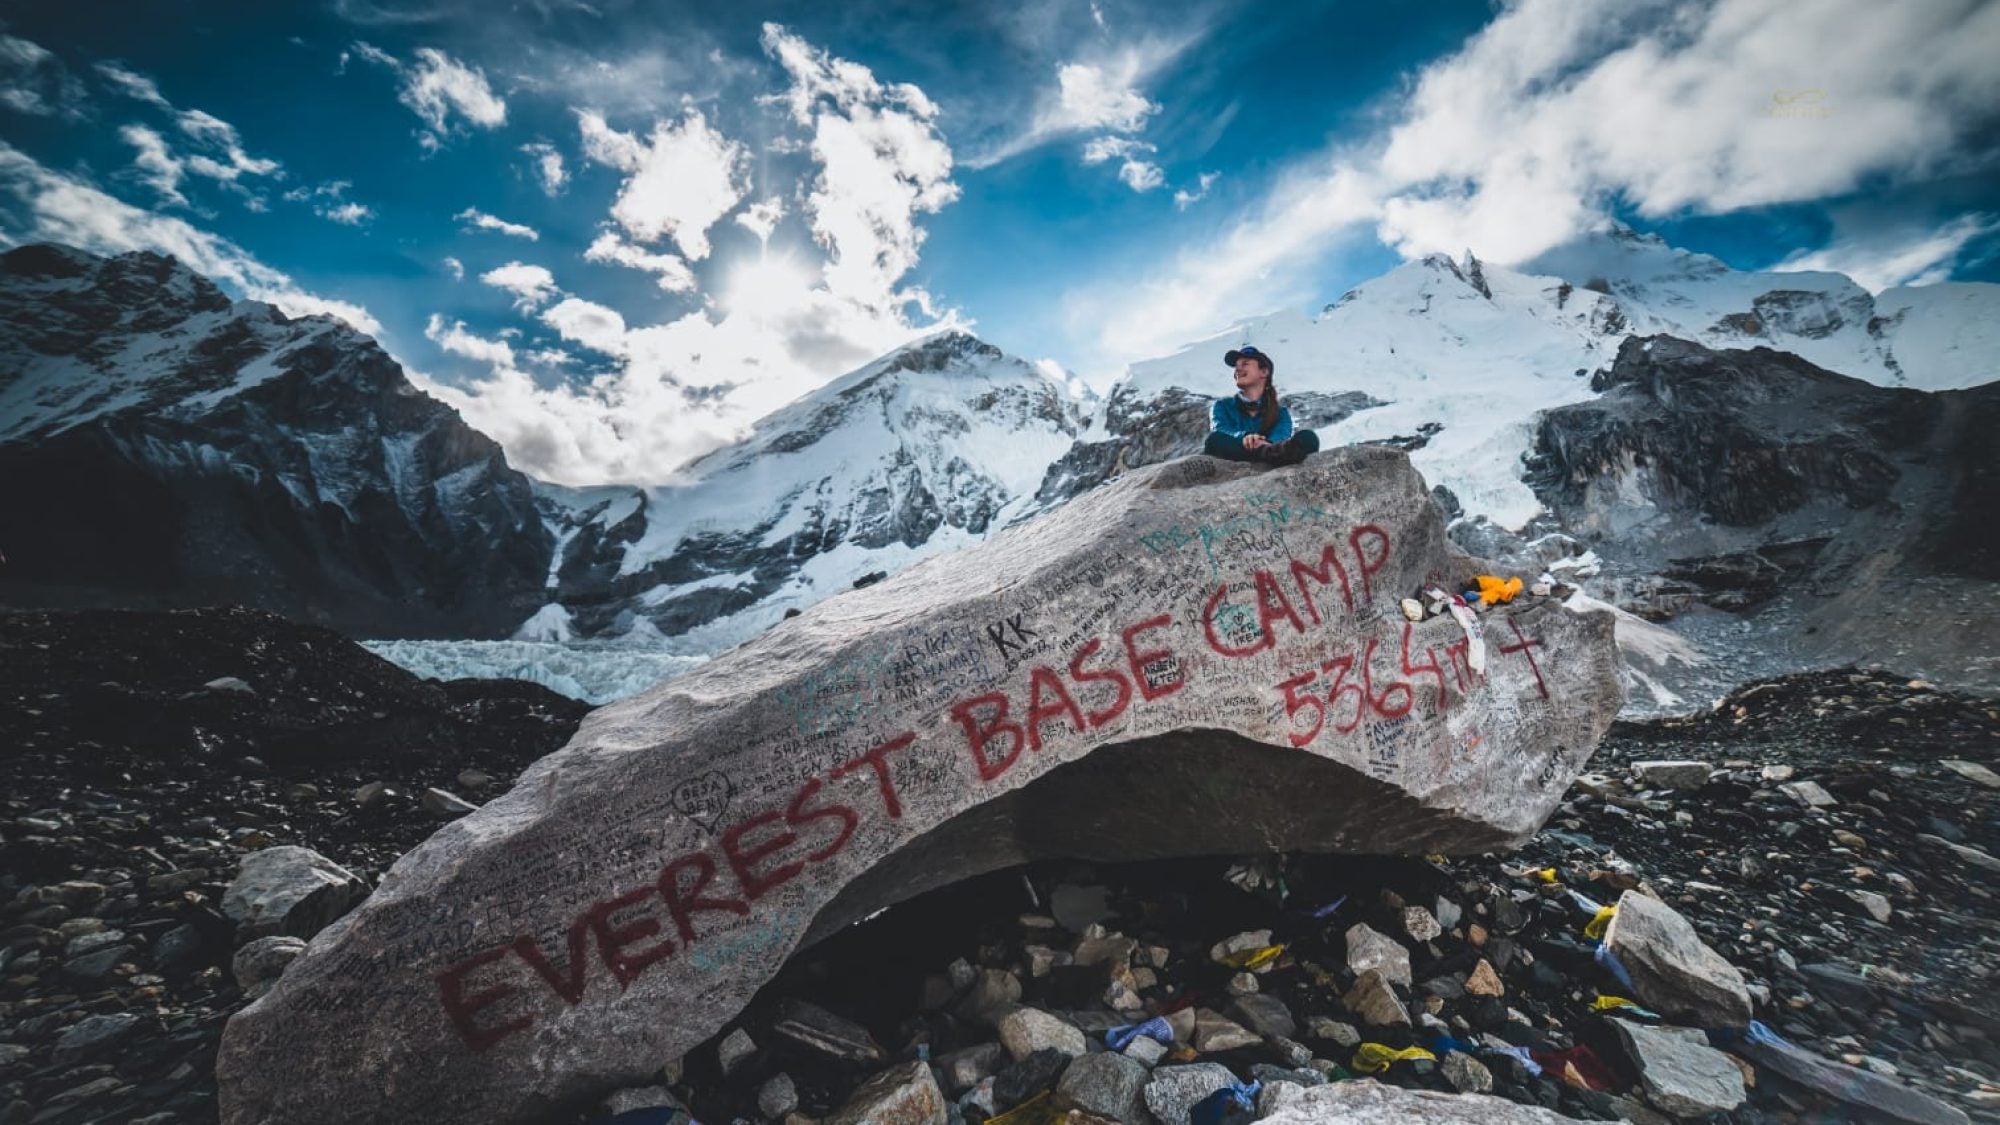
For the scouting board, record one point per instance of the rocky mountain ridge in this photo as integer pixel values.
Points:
(169, 446)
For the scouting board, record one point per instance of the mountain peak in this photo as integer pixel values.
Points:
(939, 350)
(133, 280)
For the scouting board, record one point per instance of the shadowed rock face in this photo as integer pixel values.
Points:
(1199, 657)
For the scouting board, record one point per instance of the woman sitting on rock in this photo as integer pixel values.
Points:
(1251, 426)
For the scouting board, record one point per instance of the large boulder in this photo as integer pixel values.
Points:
(1199, 658)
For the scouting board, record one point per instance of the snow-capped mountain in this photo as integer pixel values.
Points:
(165, 445)
(1499, 380)
(919, 452)
(1939, 337)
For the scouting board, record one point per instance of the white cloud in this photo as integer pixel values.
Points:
(548, 166)
(349, 214)
(1527, 134)
(595, 326)
(215, 150)
(1141, 175)
(531, 285)
(455, 268)
(328, 202)
(132, 84)
(220, 136)
(61, 208)
(474, 217)
(457, 340)
(157, 166)
(761, 217)
(882, 163)
(670, 271)
(33, 81)
(1183, 198)
(1099, 96)
(1890, 255)
(1100, 92)
(440, 90)
(678, 183)
(780, 323)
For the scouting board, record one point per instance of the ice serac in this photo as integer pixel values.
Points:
(1197, 658)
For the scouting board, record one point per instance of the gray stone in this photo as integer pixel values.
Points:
(176, 946)
(1371, 949)
(1672, 971)
(258, 965)
(778, 1096)
(963, 1069)
(1145, 1051)
(691, 838)
(1977, 858)
(373, 794)
(87, 943)
(1332, 1030)
(816, 1029)
(11, 1053)
(78, 1096)
(78, 896)
(1265, 1015)
(735, 1049)
(1215, 1032)
(1368, 1102)
(640, 1097)
(1466, 1074)
(1419, 924)
(1972, 771)
(1682, 1074)
(1239, 943)
(91, 1034)
(230, 683)
(1877, 905)
(476, 780)
(904, 1094)
(1104, 1084)
(1886, 1097)
(1024, 1031)
(1375, 1001)
(1112, 949)
(443, 802)
(992, 995)
(290, 890)
(1173, 1091)
(1809, 793)
(94, 966)
(1671, 775)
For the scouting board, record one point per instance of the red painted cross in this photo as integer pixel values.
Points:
(1523, 648)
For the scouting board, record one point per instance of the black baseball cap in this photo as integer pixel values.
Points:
(1263, 359)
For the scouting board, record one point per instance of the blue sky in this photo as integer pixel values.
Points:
(614, 233)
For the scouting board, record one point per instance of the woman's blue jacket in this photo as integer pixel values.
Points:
(1235, 417)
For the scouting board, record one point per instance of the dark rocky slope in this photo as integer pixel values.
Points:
(1848, 521)
(165, 446)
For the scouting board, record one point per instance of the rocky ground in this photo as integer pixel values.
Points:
(1833, 838)
(142, 756)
